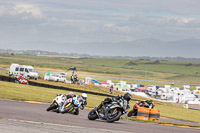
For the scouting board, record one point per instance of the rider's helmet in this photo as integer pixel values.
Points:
(84, 96)
(149, 101)
(107, 100)
(71, 93)
(127, 96)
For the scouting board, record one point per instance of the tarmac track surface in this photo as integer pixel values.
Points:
(23, 117)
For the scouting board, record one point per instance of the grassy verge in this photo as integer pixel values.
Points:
(40, 94)
(145, 69)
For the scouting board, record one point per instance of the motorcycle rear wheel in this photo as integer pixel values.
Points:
(76, 112)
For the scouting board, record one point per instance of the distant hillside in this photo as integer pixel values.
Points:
(188, 48)
(10, 52)
(150, 47)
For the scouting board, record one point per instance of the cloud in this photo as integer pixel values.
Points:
(22, 10)
(116, 28)
(28, 10)
(99, 21)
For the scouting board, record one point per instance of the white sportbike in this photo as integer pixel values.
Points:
(57, 102)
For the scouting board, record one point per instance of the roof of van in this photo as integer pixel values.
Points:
(14, 64)
(25, 66)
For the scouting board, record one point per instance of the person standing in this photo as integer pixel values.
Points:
(111, 89)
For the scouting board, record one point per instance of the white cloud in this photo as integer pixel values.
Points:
(28, 9)
(117, 28)
(23, 10)
(99, 21)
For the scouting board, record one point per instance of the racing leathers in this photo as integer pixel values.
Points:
(81, 104)
(108, 101)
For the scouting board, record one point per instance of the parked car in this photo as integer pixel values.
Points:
(55, 77)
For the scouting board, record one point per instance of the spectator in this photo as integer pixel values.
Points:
(111, 89)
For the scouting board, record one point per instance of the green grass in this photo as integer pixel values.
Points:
(40, 94)
(173, 111)
(145, 69)
(140, 69)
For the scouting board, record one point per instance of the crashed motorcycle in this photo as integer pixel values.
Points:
(21, 81)
(110, 112)
(57, 103)
(138, 104)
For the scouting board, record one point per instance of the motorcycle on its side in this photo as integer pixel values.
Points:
(110, 112)
(21, 80)
(57, 102)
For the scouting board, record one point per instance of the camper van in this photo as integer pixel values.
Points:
(27, 71)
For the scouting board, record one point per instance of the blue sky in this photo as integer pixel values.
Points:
(26, 22)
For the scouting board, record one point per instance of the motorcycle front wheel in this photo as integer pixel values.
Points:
(92, 115)
(114, 115)
(131, 113)
(52, 106)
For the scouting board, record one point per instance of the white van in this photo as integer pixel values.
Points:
(61, 77)
(28, 71)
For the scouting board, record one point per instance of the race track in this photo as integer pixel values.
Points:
(23, 117)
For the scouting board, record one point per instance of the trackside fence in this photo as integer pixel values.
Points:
(32, 83)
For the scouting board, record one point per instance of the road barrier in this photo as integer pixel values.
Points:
(6, 78)
(32, 83)
(148, 114)
(12, 79)
(143, 113)
(154, 114)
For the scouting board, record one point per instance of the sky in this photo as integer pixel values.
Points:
(35, 24)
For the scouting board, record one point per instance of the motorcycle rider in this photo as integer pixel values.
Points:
(146, 103)
(149, 104)
(70, 95)
(126, 98)
(82, 102)
(69, 98)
